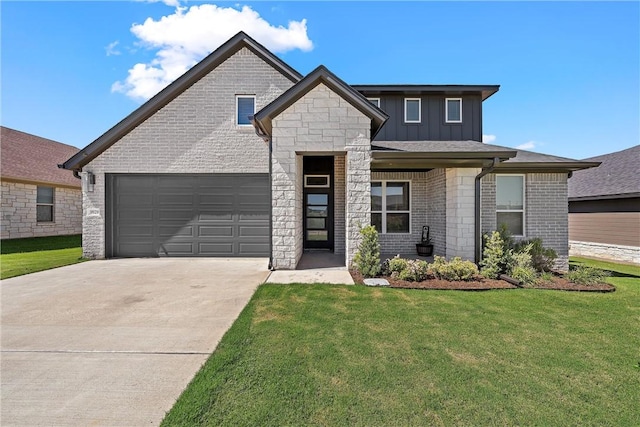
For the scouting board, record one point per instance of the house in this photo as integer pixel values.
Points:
(244, 156)
(604, 208)
(37, 199)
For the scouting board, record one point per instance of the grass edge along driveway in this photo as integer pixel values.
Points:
(24, 256)
(354, 355)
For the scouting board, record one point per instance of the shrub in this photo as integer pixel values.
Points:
(520, 267)
(545, 277)
(367, 259)
(542, 259)
(587, 275)
(416, 271)
(409, 270)
(456, 269)
(493, 256)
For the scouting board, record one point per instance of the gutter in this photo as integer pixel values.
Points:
(477, 237)
(266, 138)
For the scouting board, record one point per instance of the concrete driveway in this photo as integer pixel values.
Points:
(114, 342)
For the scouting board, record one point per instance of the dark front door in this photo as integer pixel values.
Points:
(318, 219)
(318, 202)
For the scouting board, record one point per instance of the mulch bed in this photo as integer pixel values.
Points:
(482, 284)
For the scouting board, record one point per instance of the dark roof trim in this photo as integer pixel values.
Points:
(310, 81)
(605, 197)
(545, 166)
(454, 155)
(485, 90)
(169, 93)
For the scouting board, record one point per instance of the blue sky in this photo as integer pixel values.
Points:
(569, 71)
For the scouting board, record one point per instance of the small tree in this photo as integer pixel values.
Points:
(492, 263)
(521, 268)
(367, 259)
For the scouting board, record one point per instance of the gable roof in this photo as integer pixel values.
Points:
(174, 89)
(30, 158)
(616, 177)
(310, 81)
(530, 161)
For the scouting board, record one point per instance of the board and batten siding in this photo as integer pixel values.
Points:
(615, 228)
(433, 126)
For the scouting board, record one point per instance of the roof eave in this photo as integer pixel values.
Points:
(605, 197)
(174, 89)
(546, 166)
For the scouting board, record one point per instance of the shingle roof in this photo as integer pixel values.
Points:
(617, 175)
(511, 159)
(27, 157)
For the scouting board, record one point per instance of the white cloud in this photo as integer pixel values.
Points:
(529, 145)
(186, 36)
(111, 48)
(488, 139)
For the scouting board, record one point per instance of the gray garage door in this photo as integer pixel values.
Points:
(188, 215)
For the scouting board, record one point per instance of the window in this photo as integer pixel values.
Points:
(317, 181)
(454, 110)
(510, 203)
(44, 204)
(245, 107)
(412, 110)
(375, 101)
(390, 210)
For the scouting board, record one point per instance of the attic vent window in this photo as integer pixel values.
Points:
(245, 108)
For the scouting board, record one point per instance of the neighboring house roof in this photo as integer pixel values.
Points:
(169, 93)
(313, 79)
(429, 154)
(616, 177)
(485, 90)
(30, 158)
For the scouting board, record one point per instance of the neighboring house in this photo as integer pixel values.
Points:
(243, 156)
(604, 208)
(38, 198)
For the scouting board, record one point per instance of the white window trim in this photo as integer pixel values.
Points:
(327, 185)
(374, 99)
(254, 108)
(419, 110)
(446, 108)
(53, 205)
(384, 204)
(524, 203)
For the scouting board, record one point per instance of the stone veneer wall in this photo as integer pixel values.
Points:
(18, 211)
(546, 211)
(605, 251)
(339, 190)
(195, 133)
(319, 122)
(460, 202)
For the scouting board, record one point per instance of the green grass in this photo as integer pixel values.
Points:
(357, 356)
(24, 256)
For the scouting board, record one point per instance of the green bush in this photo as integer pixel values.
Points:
(409, 270)
(455, 269)
(542, 259)
(491, 264)
(587, 275)
(521, 268)
(367, 259)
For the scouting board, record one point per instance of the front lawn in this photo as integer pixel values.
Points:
(354, 355)
(24, 256)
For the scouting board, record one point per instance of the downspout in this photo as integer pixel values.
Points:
(75, 173)
(478, 232)
(266, 138)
